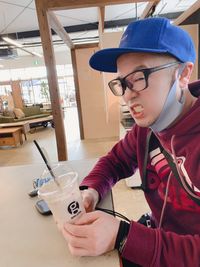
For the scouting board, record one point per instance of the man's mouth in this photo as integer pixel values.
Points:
(137, 109)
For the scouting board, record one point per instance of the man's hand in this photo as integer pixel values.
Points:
(90, 199)
(92, 234)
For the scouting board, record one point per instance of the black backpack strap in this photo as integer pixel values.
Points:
(144, 169)
(172, 165)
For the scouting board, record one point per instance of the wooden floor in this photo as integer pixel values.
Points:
(127, 201)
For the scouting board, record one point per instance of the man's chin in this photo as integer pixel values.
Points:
(142, 123)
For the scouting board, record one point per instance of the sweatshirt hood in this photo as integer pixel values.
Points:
(194, 88)
(188, 124)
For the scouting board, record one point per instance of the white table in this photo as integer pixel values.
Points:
(29, 239)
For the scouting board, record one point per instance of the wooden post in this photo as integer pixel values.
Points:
(77, 91)
(49, 57)
(16, 94)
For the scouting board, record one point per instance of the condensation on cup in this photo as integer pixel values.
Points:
(64, 197)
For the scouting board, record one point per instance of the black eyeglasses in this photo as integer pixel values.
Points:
(136, 80)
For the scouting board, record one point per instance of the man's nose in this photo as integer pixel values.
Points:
(129, 94)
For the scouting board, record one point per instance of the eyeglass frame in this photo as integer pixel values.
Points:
(146, 72)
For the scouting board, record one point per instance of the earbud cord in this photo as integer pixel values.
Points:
(165, 201)
(114, 213)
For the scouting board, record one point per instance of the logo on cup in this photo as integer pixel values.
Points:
(73, 208)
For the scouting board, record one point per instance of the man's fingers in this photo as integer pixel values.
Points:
(76, 230)
(81, 226)
(88, 218)
(78, 246)
(75, 241)
(87, 203)
(76, 251)
(90, 198)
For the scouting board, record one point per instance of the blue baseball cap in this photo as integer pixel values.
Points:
(151, 35)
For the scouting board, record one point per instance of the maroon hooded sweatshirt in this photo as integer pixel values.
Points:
(177, 241)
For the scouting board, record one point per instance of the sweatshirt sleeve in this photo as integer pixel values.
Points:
(155, 248)
(119, 163)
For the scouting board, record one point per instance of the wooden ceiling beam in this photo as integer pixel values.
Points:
(187, 13)
(149, 8)
(59, 29)
(101, 23)
(71, 4)
(101, 18)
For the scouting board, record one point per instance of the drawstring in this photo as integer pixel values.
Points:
(165, 201)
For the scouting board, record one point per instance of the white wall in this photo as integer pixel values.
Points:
(62, 58)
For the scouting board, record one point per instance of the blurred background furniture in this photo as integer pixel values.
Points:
(25, 127)
(44, 121)
(125, 117)
(11, 136)
(24, 114)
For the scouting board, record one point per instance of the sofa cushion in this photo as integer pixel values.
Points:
(31, 111)
(18, 113)
(9, 113)
(4, 119)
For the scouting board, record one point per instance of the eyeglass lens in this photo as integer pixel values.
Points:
(134, 81)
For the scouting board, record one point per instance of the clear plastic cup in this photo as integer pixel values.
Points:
(63, 197)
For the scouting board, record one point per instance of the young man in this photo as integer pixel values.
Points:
(154, 63)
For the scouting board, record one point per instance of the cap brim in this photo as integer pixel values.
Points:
(106, 59)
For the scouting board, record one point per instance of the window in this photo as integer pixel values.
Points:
(34, 84)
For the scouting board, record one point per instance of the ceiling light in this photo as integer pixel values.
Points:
(20, 46)
(13, 42)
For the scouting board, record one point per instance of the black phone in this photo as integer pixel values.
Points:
(42, 207)
(33, 193)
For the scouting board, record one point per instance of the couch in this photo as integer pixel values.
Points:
(27, 113)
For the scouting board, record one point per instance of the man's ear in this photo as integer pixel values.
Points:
(184, 77)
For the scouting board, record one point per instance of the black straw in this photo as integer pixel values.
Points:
(46, 162)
